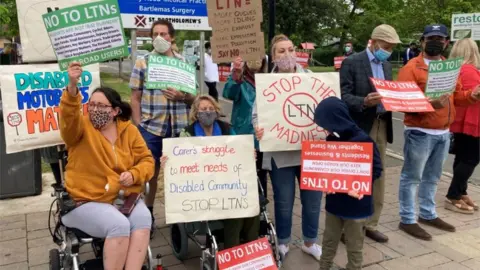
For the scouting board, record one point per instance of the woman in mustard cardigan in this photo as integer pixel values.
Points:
(106, 154)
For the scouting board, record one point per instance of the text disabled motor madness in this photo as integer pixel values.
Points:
(337, 167)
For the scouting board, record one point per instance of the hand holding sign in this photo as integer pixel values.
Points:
(259, 133)
(74, 73)
(238, 64)
(372, 99)
(476, 93)
(173, 94)
(439, 103)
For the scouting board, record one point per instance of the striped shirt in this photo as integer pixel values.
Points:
(158, 112)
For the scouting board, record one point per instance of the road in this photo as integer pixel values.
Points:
(395, 150)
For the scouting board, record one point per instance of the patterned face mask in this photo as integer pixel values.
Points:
(99, 118)
(286, 62)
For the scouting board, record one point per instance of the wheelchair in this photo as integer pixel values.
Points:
(181, 233)
(69, 240)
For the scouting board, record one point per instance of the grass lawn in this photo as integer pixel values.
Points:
(332, 69)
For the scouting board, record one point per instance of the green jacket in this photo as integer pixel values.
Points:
(243, 96)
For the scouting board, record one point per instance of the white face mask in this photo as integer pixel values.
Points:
(161, 45)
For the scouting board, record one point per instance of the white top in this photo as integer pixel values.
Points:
(429, 130)
(211, 69)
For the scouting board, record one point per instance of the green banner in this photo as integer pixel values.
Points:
(442, 77)
(89, 33)
(164, 72)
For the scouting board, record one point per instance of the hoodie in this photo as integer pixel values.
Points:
(332, 115)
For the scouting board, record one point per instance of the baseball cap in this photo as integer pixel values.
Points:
(435, 30)
(386, 33)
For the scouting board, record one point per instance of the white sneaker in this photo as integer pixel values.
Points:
(283, 250)
(314, 250)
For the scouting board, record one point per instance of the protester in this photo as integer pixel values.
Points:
(348, 212)
(211, 72)
(240, 88)
(427, 139)
(50, 155)
(106, 154)
(348, 49)
(158, 113)
(410, 53)
(204, 118)
(365, 105)
(284, 166)
(466, 129)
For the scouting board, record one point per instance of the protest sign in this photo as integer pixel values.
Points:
(36, 45)
(224, 72)
(31, 96)
(286, 106)
(303, 58)
(465, 26)
(236, 30)
(210, 178)
(442, 77)
(402, 96)
(163, 72)
(337, 61)
(337, 167)
(89, 33)
(253, 255)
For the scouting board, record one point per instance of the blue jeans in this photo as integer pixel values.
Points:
(283, 182)
(155, 143)
(424, 157)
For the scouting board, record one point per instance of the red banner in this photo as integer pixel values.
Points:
(337, 166)
(302, 59)
(402, 96)
(223, 73)
(253, 255)
(338, 61)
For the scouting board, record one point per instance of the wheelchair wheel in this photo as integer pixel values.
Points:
(54, 257)
(179, 237)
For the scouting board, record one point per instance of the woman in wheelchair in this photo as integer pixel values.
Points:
(106, 155)
(204, 118)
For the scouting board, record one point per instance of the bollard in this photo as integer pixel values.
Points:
(159, 262)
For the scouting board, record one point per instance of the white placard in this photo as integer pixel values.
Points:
(286, 106)
(210, 178)
(30, 98)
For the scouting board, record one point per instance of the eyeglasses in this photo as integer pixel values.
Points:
(101, 107)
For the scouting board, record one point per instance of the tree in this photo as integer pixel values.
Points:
(8, 18)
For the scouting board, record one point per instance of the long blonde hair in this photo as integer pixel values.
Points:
(196, 104)
(468, 49)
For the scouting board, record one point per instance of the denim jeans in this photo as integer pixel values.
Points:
(283, 182)
(424, 155)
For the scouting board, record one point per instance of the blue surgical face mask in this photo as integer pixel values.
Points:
(381, 54)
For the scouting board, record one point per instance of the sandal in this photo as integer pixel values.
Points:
(470, 202)
(458, 206)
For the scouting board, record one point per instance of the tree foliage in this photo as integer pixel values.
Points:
(8, 18)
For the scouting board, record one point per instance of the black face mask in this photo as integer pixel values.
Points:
(434, 47)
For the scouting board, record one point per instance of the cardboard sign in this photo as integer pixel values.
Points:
(89, 33)
(286, 106)
(236, 30)
(253, 255)
(31, 96)
(302, 58)
(442, 77)
(337, 167)
(337, 61)
(210, 178)
(465, 26)
(402, 96)
(224, 72)
(163, 72)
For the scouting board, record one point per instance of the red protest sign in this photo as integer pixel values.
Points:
(337, 166)
(402, 96)
(223, 72)
(337, 61)
(302, 58)
(253, 255)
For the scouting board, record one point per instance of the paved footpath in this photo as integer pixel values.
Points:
(25, 240)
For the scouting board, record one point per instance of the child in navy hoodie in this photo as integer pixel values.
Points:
(346, 213)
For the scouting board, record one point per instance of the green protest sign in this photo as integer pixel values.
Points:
(89, 33)
(163, 72)
(442, 77)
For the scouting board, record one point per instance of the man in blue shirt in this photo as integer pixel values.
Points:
(365, 106)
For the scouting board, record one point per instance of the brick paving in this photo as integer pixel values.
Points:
(25, 240)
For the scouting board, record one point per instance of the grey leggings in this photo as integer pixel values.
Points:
(103, 220)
